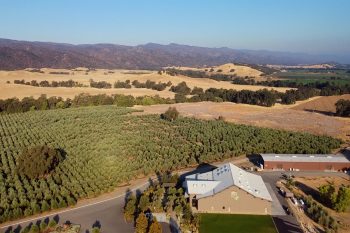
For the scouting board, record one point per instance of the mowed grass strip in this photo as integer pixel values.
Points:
(236, 223)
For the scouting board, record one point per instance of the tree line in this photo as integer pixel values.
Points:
(45, 83)
(15, 105)
(151, 85)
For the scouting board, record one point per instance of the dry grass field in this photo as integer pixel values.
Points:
(279, 117)
(239, 70)
(111, 76)
(324, 104)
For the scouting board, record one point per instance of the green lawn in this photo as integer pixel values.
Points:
(236, 223)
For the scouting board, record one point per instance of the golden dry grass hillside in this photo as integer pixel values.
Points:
(324, 104)
(229, 69)
(82, 75)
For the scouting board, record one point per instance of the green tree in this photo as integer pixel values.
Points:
(130, 208)
(343, 199)
(34, 229)
(327, 194)
(343, 108)
(171, 114)
(144, 202)
(95, 230)
(43, 226)
(38, 161)
(180, 98)
(155, 227)
(52, 223)
(25, 229)
(141, 223)
(45, 206)
(61, 105)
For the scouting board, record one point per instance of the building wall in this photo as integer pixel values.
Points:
(235, 201)
(316, 166)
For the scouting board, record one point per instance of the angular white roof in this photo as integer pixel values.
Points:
(225, 176)
(322, 158)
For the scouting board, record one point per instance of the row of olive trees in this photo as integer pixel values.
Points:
(106, 146)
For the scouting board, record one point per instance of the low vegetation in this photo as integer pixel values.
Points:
(105, 147)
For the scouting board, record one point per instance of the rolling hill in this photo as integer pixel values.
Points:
(23, 54)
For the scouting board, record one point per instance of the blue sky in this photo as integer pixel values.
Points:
(312, 26)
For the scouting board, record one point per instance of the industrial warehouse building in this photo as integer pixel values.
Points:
(228, 189)
(306, 162)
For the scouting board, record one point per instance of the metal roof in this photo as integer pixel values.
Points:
(305, 158)
(227, 175)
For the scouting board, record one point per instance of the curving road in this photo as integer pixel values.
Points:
(107, 213)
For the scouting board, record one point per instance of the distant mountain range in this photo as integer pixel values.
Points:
(24, 54)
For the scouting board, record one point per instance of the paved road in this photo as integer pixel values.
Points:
(284, 223)
(107, 214)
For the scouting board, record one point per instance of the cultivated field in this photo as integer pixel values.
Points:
(105, 147)
(111, 76)
(324, 104)
(279, 116)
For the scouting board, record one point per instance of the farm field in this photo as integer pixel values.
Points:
(338, 77)
(230, 223)
(279, 116)
(324, 104)
(111, 76)
(105, 147)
